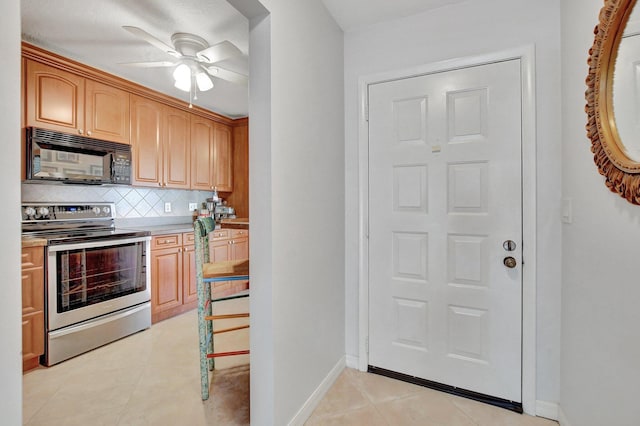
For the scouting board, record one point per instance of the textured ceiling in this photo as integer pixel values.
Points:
(353, 14)
(90, 31)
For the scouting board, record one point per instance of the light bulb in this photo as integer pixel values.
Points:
(184, 85)
(203, 81)
(182, 75)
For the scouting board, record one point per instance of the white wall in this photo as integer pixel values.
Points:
(11, 300)
(468, 29)
(297, 193)
(600, 290)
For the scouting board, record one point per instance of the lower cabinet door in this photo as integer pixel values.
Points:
(189, 287)
(32, 335)
(166, 279)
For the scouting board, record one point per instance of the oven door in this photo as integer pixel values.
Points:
(90, 279)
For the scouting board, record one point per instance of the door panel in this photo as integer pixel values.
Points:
(445, 192)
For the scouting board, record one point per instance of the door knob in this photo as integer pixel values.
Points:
(510, 262)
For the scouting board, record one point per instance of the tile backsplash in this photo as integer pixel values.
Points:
(131, 202)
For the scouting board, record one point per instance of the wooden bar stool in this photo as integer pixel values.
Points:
(207, 273)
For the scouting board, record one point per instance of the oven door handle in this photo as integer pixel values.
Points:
(98, 243)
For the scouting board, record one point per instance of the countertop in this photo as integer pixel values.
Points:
(174, 228)
(33, 242)
(238, 223)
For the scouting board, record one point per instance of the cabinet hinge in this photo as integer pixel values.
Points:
(366, 112)
(366, 344)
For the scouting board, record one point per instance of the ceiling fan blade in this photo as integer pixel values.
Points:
(148, 64)
(152, 40)
(232, 76)
(218, 52)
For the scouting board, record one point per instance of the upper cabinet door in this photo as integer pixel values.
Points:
(55, 99)
(222, 158)
(146, 141)
(177, 155)
(201, 153)
(107, 112)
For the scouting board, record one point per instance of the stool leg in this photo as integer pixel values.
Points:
(202, 332)
(209, 311)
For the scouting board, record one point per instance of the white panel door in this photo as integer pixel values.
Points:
(445, 194)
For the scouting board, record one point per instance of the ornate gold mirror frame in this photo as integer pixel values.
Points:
(622, 174)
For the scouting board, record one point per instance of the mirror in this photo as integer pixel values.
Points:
(615, 141)
(626, 87)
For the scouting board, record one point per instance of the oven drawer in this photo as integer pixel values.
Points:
(166, 241)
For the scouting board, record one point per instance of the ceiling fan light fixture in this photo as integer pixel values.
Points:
(203, 81)
(182, 76)
(184, 85)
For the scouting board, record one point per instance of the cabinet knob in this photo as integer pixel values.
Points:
(159, 183)
(80, 131)
(89, 133)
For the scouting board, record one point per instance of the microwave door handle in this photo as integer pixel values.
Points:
(112, 168)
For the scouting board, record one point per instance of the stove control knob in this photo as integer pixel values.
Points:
(106, 210)
(96, 210)
(43, 211)
(29, 211)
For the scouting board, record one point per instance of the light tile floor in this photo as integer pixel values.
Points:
(152, 378)
(358, 398)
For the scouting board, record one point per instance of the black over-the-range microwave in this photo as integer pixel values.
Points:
(59, 157)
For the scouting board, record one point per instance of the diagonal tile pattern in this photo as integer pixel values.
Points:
(131, 202)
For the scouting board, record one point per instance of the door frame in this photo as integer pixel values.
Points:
(526, 55)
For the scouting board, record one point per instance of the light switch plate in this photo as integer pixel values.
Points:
(167, 207)
(193, 206)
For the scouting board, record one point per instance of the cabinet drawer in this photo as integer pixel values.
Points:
(237, 233)
(219, 234)
(188, 238)
(32, 257)
(166, 241)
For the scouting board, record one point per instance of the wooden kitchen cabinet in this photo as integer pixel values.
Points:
(212, 155)
(160, 144)
(189, 287)
(32, 306)
(222, 158)
(106, 112)
(66, 102)
(229, 244)
(172, 275)
(176, 147)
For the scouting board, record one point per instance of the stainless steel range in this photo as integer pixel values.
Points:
(97, 276)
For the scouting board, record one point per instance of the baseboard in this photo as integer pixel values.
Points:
(562, 419)
(310, 404)
(352, 361)
(546, 409)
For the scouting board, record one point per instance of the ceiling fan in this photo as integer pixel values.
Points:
(195, 61)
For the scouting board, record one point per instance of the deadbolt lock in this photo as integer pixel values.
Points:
(510, 262)
(509, 245)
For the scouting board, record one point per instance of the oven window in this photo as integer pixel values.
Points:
(94, 275)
